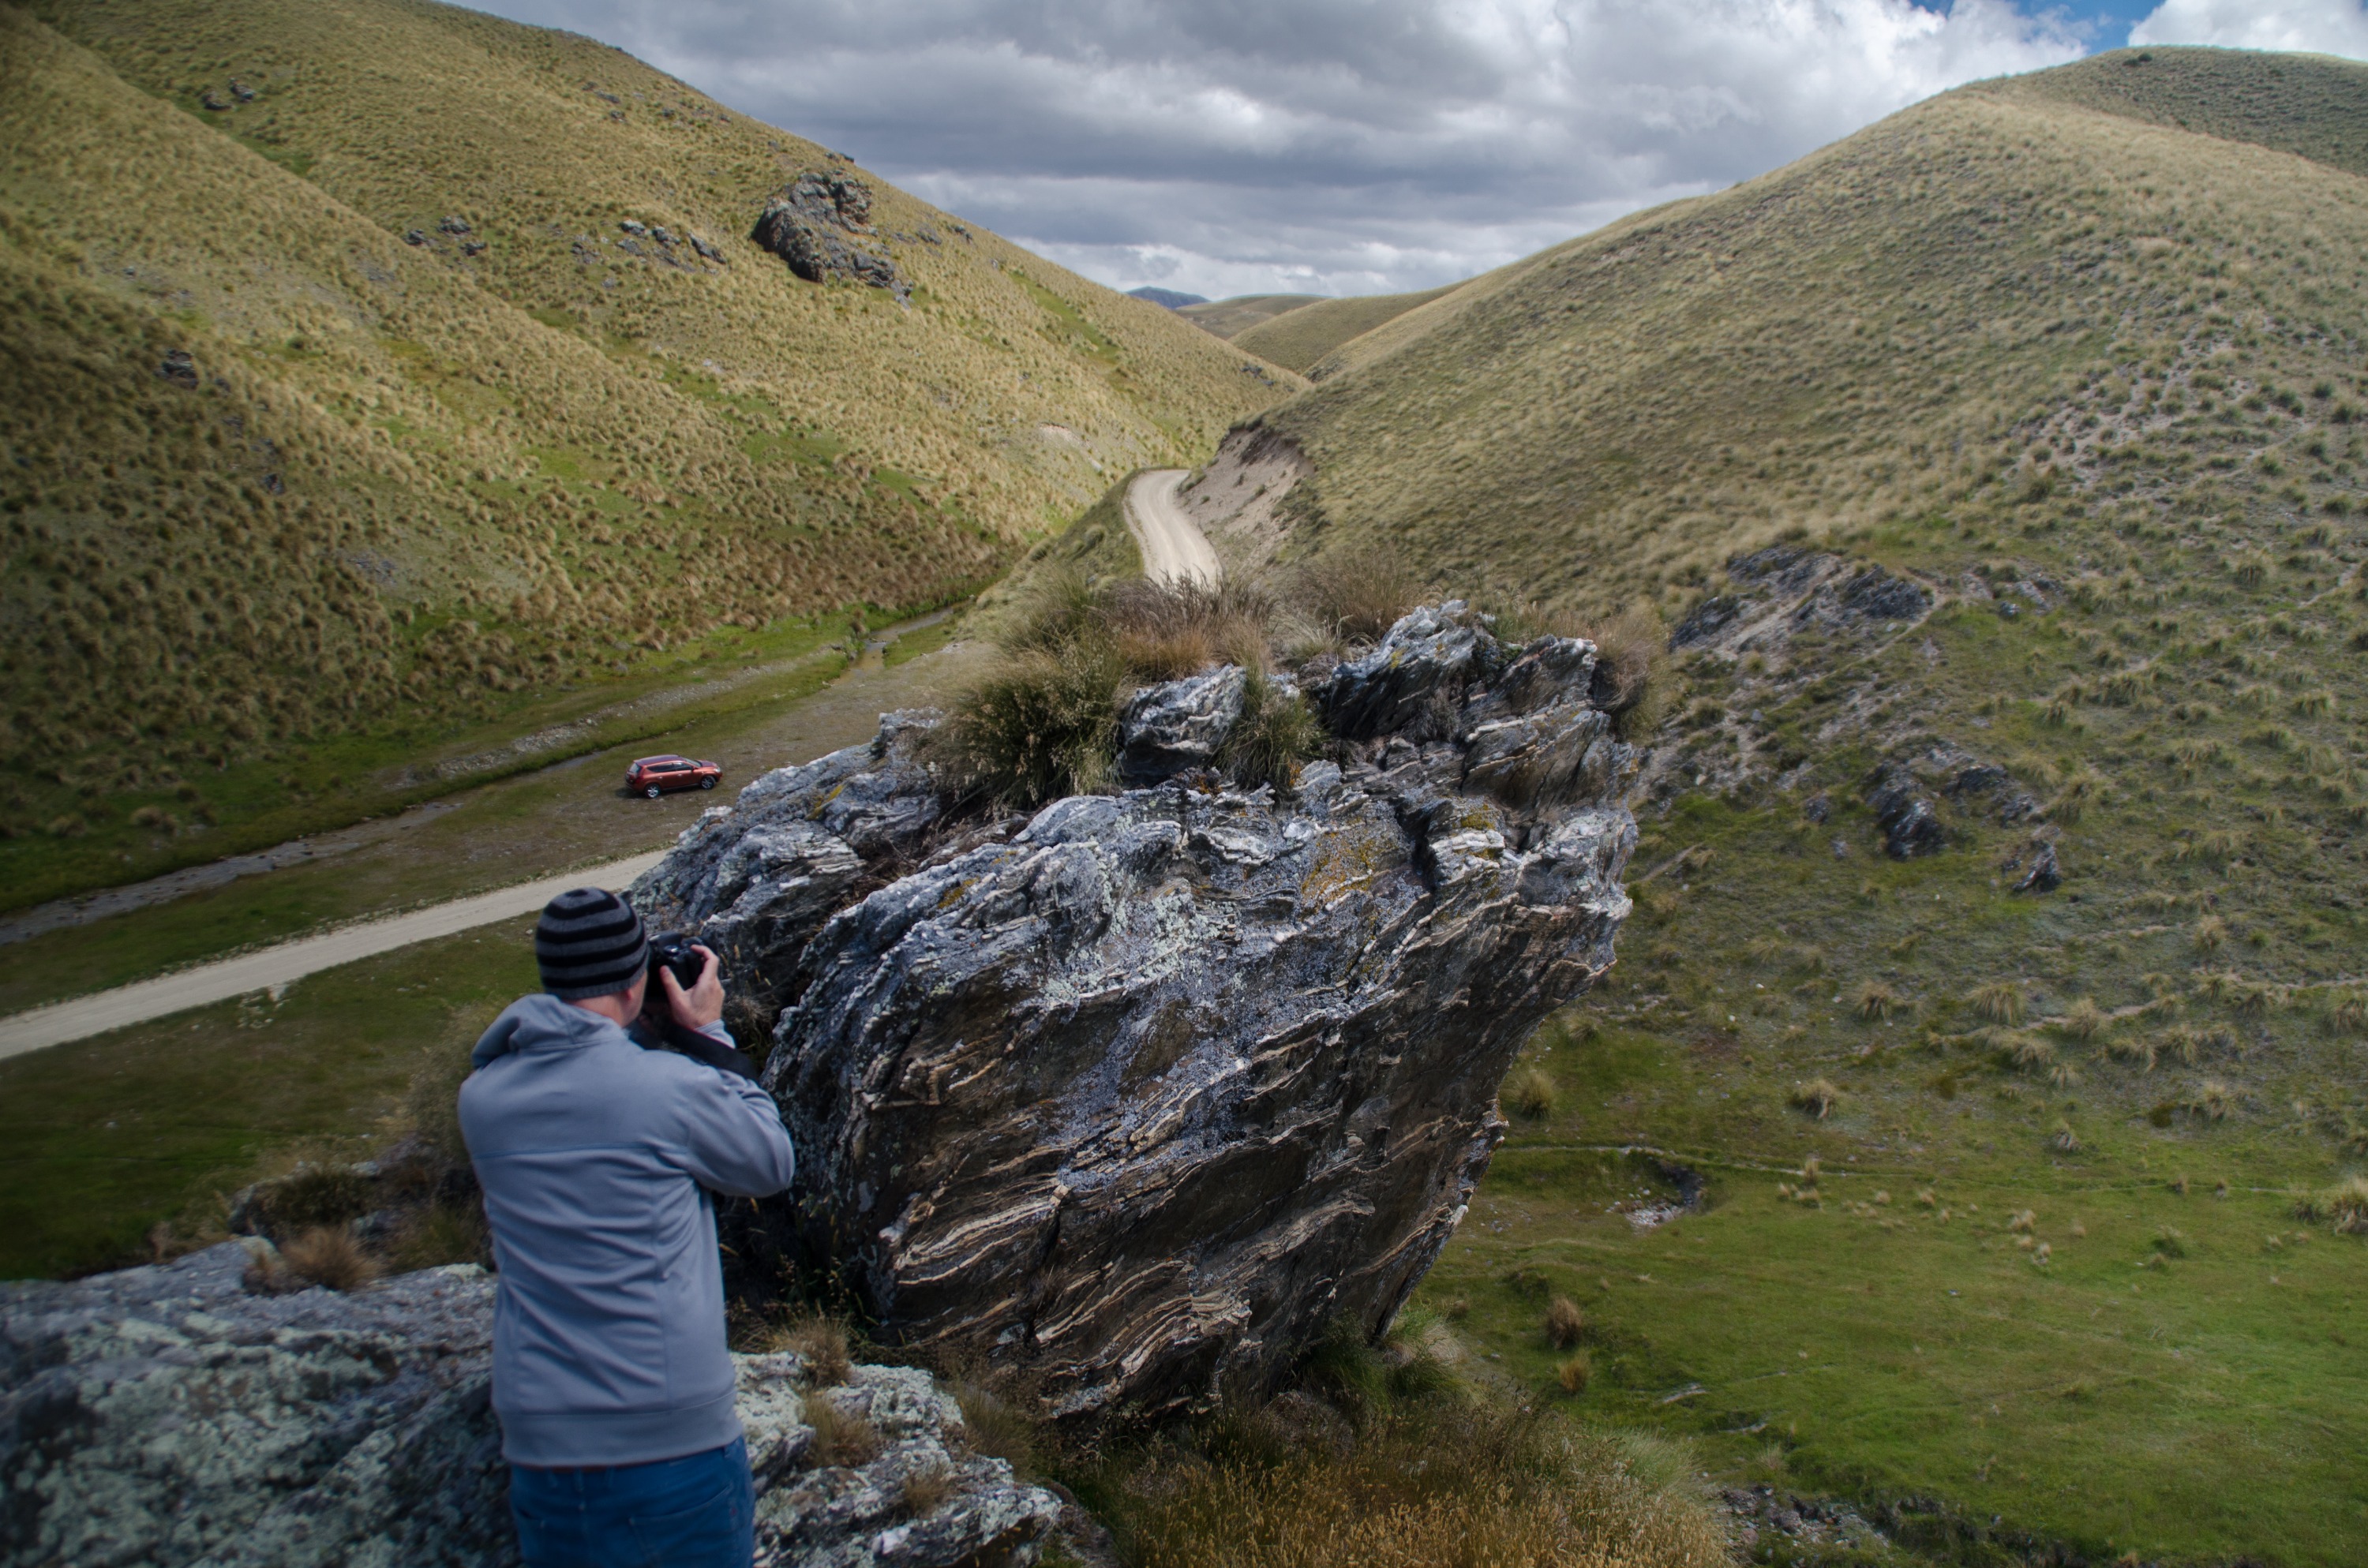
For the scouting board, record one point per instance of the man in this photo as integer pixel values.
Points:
(610, 1373)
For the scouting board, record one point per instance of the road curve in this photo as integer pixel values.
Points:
(290, 961)
(1174, 549)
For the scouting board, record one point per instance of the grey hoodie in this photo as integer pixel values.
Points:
(609, 1344)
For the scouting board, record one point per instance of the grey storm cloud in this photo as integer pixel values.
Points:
(1318, 146)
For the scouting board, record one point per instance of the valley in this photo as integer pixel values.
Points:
(1961, 1164)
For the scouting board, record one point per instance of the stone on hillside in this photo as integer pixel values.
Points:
(162, 1416)
(2045, 875)
(415, 236)
(1140, 1095)
(1910, 826)
(212, 101)
(453, 224)
(180, 368)
(241, 91)
(1178, 724)
(798, 226)
(707, 251)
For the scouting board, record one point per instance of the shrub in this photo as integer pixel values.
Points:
(1358, 599)
(841, 1437)
(2082, 1021)
(1565, 1322)
(1043, 726)
(1531, 1092)
(1276, 733)
(2346, 1204)
(819, 1342)
(925, 1491)
(2000, 1002)
(1819, 1097)
(1632, 656)
(328, 1255)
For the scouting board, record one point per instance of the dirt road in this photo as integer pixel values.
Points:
(1174, 549)
(280, 966)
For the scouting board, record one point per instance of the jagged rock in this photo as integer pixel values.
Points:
(1140, 1098)
(2013, 803)
(707, 251)
(164, 1416)
(2045, 875)
(453, 224)
(798, 225)
(634, 227)
(1411, 682)
(1910, 826)
(1178, 724)
(179, 369)
(212, 101)
(756, 880)
(241, 91)
(415, 236)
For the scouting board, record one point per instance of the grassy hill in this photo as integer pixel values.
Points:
(382, 377)
(2023, 1225)
(1228, 317)
(1301, 338)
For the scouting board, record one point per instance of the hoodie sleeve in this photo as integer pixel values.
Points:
(732, 1136)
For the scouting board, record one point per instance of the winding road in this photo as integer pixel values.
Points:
(1174, 551)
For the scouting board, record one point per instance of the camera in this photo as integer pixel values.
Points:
(674, 950)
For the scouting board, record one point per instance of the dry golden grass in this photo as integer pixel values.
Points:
(1474, 1486)
(1531, 1093)
(1565, 1322)
(842, 1436)
(1819, 1097)
(327, 1255)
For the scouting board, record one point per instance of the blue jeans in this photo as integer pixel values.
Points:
(695, 1512)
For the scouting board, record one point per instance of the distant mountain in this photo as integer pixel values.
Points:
(1226, 317)
(373, 366)
(1305, 337)
(1167, 298)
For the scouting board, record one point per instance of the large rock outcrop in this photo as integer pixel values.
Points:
(168, 1416)
(1143, 1094)
(811, 225)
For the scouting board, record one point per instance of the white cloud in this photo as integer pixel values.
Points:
(1319, 146)
(2322, 27)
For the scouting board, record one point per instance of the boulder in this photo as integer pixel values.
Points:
(162, 1416)
(180, 368)
(2045, 875)
(1140, 1095)
(1910, 826)
(1178, 724)
(802, 225)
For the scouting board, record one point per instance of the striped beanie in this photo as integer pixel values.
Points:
(589, 943)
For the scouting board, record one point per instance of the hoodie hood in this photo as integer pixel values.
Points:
(542, 1022)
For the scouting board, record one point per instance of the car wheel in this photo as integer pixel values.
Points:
(653, 791)
(707, 783)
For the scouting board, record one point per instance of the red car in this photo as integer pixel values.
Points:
(653, 775)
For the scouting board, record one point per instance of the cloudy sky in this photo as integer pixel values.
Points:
(1357, 146)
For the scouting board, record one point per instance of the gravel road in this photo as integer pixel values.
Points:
(1174, 549)
(272, 968)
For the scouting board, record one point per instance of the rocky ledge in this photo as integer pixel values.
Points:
(1141, 1095)
(168, 1415)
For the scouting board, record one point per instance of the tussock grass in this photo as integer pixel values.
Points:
(1998, 1002)
(1565, 1322)
(1458, 1485)
(1819, 1097)
(1530, 1092)
(842, 1436)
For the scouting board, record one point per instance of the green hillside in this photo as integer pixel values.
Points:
(1302, 338)
(380, 375)
(1227, 318)
(2026, 1227)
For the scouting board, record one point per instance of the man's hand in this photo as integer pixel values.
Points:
(703, 1003)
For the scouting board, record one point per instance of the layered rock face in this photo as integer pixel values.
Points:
(168, 1416)
(1143, 1094)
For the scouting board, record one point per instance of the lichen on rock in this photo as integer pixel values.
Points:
(1144, 1093)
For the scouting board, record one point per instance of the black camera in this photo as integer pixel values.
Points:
(673, 950)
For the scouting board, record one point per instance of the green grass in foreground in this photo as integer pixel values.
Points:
(108, 1138)
(2177, 1374)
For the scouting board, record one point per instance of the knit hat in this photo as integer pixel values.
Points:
(589, 943)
